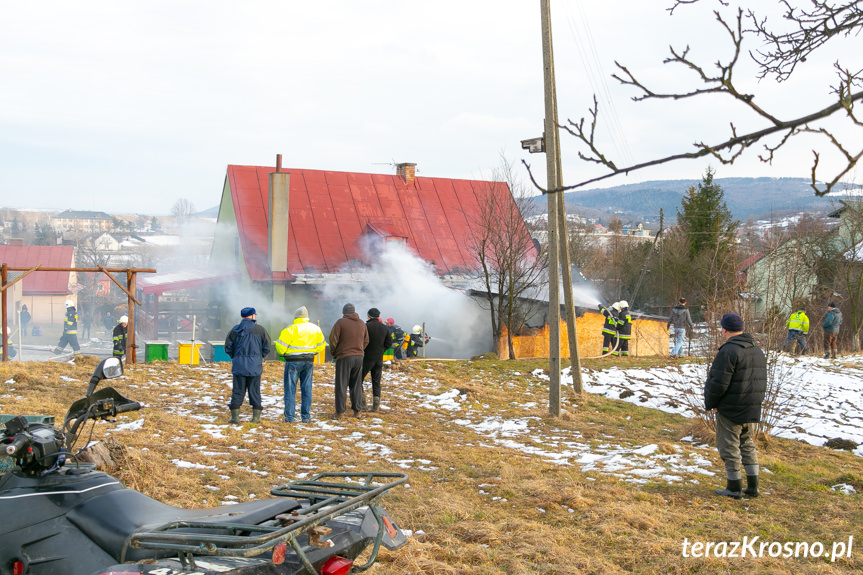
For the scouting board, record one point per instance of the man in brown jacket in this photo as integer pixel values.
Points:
(348, 340)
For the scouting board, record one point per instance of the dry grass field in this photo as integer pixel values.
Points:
(482, 498)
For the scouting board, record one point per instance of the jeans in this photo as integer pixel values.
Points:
(679, 335)
(796, 335)
(298, 371)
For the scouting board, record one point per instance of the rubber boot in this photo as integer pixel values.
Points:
(827, 355)
(751, 486)
(833, 352)
(733, 489)
(57, 351)
(376, 403)
(235, 416)
(256, 415)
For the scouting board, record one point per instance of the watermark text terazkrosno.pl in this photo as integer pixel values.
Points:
(755, 548)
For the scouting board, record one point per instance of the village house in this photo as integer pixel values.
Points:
(778, 279)
(84, 222)
(44, 292)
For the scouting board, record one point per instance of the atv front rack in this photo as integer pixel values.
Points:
(329, 495)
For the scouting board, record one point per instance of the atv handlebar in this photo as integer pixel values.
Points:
(16, 444)
(134, 406)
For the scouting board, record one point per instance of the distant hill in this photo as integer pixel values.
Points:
(208, 213)
(756, 198)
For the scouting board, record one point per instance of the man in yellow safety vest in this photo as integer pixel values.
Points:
(297, 346)
(798, 329)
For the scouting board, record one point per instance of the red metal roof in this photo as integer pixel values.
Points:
(331, 211)
(40, 283)
(749, 261)
(160, 283)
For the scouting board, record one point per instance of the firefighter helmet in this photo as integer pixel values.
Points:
(69, 303)
(417, 329)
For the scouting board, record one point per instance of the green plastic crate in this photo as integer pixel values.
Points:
(155, 351)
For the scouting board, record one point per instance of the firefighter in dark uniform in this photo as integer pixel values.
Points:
(609, 328)
(624, 328)
(119, 337)
(70, 330)
(415, 340)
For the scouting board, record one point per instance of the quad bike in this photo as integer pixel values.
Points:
(60, 516)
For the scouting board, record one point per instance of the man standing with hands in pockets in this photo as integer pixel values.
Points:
(735, 388)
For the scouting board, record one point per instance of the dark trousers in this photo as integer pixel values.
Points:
(71, 339)
(609, 342)
(349, 379)
(622, 347)
(375, 367)
(243, 384)
(736, 445)
(798, 338)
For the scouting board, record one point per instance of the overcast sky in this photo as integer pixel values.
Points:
(126, 106)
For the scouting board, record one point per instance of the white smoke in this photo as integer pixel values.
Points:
(397, 282)
(405, 288)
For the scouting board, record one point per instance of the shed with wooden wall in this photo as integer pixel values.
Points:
(649, 337)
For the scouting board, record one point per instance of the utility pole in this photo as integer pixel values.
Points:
(558, 238)
(553, 182)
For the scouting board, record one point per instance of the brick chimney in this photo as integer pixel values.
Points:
(277, 232)
(407, 172)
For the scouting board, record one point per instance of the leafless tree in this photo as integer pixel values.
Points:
(585, 250)
(847, 277)
(508, 262)
(182, 210)
(811, 29)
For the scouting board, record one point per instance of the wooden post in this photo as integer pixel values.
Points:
(131, 346)
(5, 318)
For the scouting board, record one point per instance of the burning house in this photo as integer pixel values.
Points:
(397, 242)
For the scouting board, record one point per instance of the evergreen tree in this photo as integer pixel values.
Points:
(705, 218)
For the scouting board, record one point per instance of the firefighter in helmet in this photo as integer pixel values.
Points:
(624, 328)
(415, 340)
(609, 328)
(70, 330)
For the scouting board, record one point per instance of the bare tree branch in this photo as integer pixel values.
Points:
(814, 27)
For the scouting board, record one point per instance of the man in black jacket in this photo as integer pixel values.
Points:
(373, 356)
(734, 391)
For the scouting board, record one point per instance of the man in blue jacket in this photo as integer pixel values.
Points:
(735, 388)
(831, 324)
(247, 345)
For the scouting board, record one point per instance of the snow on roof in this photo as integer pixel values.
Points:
(165, 240)
(855, 254)
(185, 279)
